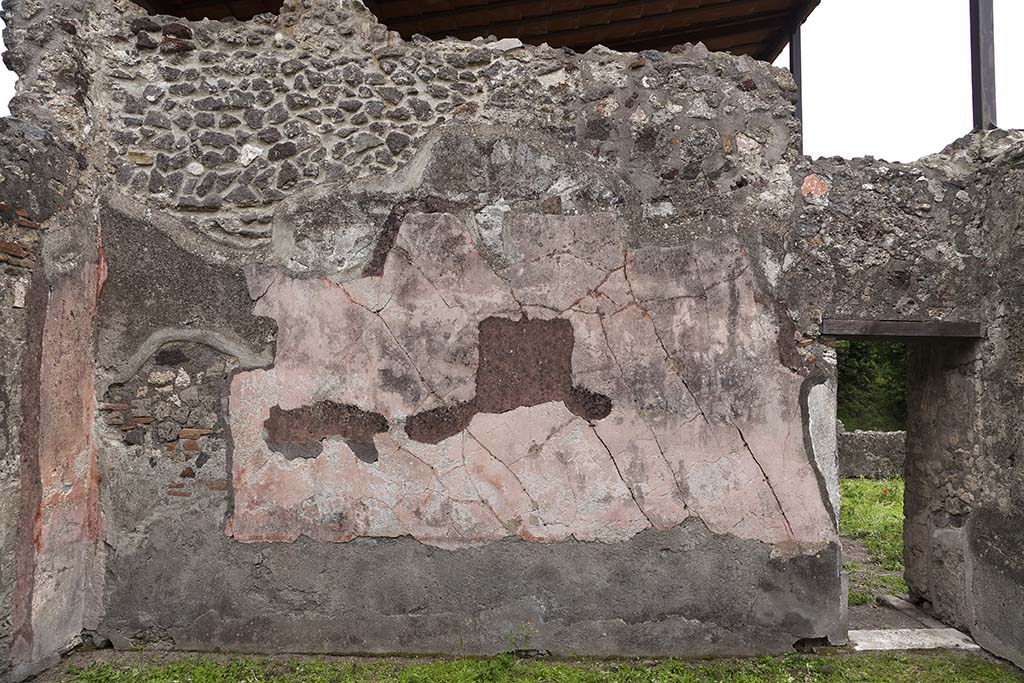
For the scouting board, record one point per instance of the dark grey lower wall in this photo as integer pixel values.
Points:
(175, 580)
(871, 455)
(995, 548)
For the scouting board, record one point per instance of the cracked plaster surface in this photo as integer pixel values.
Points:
(700, 425)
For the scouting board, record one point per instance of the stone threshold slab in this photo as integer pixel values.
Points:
(871, 640)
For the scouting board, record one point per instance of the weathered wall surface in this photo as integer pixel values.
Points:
(474, 302)
(952, 254)
(40, 385)
(964, 446)
(441, 345)
(870, 455)
(18, 245)
(50, 226)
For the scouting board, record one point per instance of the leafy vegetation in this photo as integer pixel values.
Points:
(872, 390)
(932, 667)
(872, 511)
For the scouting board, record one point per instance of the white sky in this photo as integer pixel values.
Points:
(890, 78)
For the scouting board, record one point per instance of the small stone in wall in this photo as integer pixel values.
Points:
(20, 293)
(144, 41)
(141, 158)
(814, 188)
(282, 150)
(506, 44)
(364, 141)
(397, 142)
(161, 377)
(143, 24)
(700, 109)
(177, 30)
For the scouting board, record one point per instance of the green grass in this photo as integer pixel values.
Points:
(872, 511)
(937, 667)
(860, 597)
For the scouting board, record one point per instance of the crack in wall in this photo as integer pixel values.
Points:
(394, 338)
(643, 418)
(618, 471)
(778, 502)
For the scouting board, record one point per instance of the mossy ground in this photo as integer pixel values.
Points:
(872, 513)
(937, 667)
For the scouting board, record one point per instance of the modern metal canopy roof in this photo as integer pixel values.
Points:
(760, 28)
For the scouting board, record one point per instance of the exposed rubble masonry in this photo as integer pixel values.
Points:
(523, 363)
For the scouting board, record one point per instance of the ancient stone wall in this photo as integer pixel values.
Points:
(406, 346)
(869, 454)
(445, 304)
(52, 272)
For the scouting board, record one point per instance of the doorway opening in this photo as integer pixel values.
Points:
(906, 409)
(871, 411)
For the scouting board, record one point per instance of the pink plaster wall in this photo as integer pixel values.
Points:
(650, 325)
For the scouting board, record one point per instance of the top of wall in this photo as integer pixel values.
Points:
(219, 122)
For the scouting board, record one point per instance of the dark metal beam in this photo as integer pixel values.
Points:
(902, 329)
(983, 64)
(796, 68)
(798, 19)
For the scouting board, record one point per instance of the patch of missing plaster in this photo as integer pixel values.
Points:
(298, 433)
(389, 231)
(385, 241)
(523, 363)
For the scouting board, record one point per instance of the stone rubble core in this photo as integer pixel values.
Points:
(317, 340)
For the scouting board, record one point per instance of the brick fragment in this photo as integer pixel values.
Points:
(14, 249)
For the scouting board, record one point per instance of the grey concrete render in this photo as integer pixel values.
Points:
(324, 341)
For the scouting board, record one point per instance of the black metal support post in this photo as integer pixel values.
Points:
(795, 68)
(983, 64)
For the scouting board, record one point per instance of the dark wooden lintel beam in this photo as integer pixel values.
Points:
(902, 329)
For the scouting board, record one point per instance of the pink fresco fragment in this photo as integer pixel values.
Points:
(67, 584)
(654, 330)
